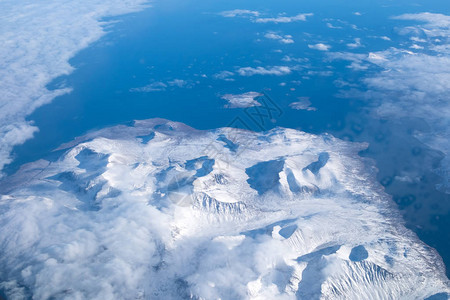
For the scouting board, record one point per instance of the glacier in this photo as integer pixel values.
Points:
(158, 210)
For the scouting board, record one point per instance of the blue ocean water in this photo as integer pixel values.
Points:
(184, 44)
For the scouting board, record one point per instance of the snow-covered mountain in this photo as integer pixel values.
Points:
(159, 210)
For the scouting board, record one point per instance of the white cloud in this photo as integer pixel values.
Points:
(288, 58)
(433, 20)
(320, 46)
(303, 104)
(356, 66)
(320, 73)
(378, 56)
(224, 75)
(385, 38)
(178, 83)
(160, 86)
(353, 57)
(37, 40)
(14, 134)
(415, 46)
(417, 39)
(414, 85)
(152, 87)
(355, 44)
(273, 36)
(329, 25)
(417, 85)
(239, 13)
(342, 83)
(254, 16)
(275, 70)
(285, 39)
(242, 100)
(284, 19)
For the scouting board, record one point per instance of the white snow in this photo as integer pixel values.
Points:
(148, 212)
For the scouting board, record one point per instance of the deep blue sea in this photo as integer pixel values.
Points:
(178, 48)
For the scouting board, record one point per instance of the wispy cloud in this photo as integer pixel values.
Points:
(329, 25)
(275, 70)
(303, 104)
(256, 17)
(432, 20)
(413, 84)
(152, 87)
(160, 86)
(355, 44)
(239, 13)
(383, 37)
(284, 19)
(224, 75)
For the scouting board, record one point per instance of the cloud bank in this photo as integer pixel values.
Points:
(37, 41)
(414, 84)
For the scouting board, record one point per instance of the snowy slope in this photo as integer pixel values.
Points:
(159, 210)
